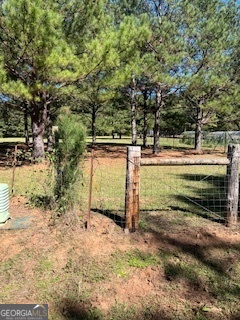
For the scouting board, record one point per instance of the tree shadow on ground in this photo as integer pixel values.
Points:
(119, 150)
(176, 247)
(208, 202)
(73, 310)
(204, 213)
(191, 259)
(116, 217)
(106, 150)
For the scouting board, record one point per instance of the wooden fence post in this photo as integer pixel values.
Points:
(232, 185)
(132, 188)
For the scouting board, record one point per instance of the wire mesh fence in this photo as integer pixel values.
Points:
(199, 191)
(217, 140)
(107, 189)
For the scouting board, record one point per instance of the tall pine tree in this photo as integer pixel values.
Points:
(36, 59)
(210, 37)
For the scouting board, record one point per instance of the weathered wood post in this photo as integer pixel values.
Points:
(132, 188)
(232, 185)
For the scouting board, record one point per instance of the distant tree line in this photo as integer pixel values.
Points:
(128, 66)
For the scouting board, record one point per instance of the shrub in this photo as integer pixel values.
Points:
(69, 149)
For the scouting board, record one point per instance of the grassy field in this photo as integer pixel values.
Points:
(165, 142)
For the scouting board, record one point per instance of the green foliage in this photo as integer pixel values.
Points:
(37, 56)
(11, 122)
(85, 52)
(174, 122)
(113, 55)
(210, 36)
(166, 49)
(36, 60)
(107, 122)
(68, 153)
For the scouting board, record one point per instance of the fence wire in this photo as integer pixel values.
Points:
(108, 187)
(194, 190)
(199, 190)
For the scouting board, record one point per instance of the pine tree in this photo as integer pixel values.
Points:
(35, 58)
(210, 36)
(162, 57)
(112, 52)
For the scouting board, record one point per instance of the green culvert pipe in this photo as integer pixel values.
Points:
(4, 203)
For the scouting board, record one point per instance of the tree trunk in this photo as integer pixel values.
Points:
(133, 112)
(94, 131)
(145, 126)
(26, 127)
(38, 127)
(156, 131)
(49, 131)
(198, 130)
(38, 143)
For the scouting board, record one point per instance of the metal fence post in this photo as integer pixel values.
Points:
(132, 188)
(232, 185)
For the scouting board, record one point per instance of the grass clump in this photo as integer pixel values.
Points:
(139, 259)
(123, 261)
